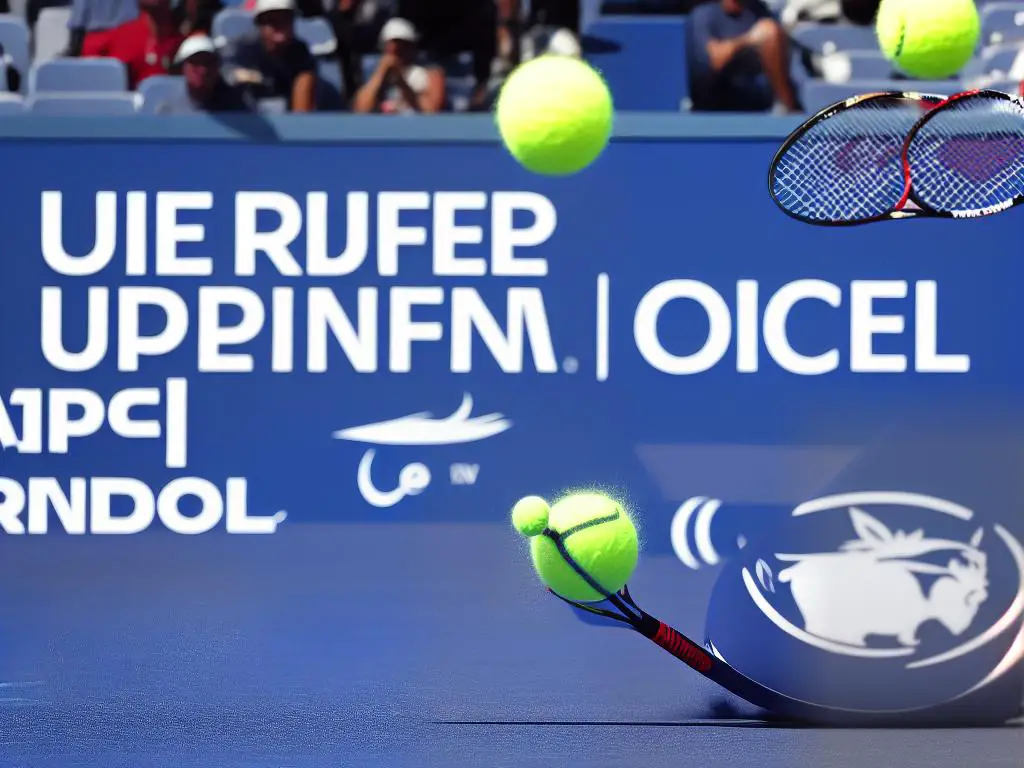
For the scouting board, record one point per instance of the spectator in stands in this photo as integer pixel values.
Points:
(343, 21)
(196, 16)
(548, 20)
(205, 88)
(92, 20)
(275, 63)
(146, 45)
(861, 12)
(341, 15)
(400, 85)
(450, 27)
(12, 82)
(739, 59)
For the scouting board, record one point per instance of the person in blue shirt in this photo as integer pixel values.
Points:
(738, 59)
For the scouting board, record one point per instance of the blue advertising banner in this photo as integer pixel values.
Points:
(231, 336)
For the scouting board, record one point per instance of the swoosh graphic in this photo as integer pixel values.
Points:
(424, 429)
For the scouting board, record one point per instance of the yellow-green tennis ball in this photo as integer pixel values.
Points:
(928, 39)
(598, 535)
(555, 114)
(530, 515)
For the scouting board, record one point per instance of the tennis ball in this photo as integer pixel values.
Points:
(596, 533)
(530, 515)
(555, 114)
(929, 39)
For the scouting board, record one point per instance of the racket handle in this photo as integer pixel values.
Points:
(680, 647)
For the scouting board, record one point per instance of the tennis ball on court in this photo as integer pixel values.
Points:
(555, 114)
(929, 39)
(595, 531)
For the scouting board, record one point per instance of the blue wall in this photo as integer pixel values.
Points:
(653, 210)
(902, 376)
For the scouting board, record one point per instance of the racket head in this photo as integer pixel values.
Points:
(844, 165)
(965, 158)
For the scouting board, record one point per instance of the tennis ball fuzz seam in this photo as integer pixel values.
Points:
(560, 538)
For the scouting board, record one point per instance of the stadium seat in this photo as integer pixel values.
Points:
(855, 65)
(51, 34)
(14, 39)
(1012, 87)
(829, 38)
(994, 60)
(329, 89)
(816, 94)
(154, 91)
(459, 90)
(645, 62)
(1002, 23)
(272, 106)
(318, 35)
(71, 75)
(82, 104)
(11, 104)
(370, 63)
(231, 24)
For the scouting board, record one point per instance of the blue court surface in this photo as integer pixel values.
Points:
(353, 645)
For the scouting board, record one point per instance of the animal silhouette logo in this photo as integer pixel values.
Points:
(873, 584)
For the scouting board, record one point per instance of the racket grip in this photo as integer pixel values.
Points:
(688, 653)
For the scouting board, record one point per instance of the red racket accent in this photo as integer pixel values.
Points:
(682, 649)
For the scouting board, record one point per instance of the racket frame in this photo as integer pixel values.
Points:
(935, 111)
(925, 100)
(933, 104)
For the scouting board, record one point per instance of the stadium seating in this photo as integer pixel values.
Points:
(83, 104)
(318, 35)
(86, 75)
(817, 94)
(51, 34)
(11, 104)
(231, 24)
(14, 39)
(154, 91)
(644, 61)
(829, 38)
(843, 66)
(1002, 22)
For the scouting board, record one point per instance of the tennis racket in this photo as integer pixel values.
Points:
(901, 155)
(708, 663)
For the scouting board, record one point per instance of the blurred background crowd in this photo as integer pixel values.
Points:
(425, 56)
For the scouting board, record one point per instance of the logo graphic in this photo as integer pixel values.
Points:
(905, 599)
(872, 596)
(420, 429)
(702, 511)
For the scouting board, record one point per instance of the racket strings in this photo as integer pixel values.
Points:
(969, 156)
(848, 166)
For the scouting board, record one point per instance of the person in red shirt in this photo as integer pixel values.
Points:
(146, 44)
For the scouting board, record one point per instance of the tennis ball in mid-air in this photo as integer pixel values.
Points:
(594, 530)
(929, 39)
(530, 515)
(555, 114)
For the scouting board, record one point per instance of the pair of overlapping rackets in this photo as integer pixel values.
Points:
(900, 155)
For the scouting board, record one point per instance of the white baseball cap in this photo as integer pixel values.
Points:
(398, 29)
(265, 6)
(194, 45)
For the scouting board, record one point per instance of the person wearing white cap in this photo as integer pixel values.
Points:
(205, 88)
(275, 63)
(400, 85)
(450, 27)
